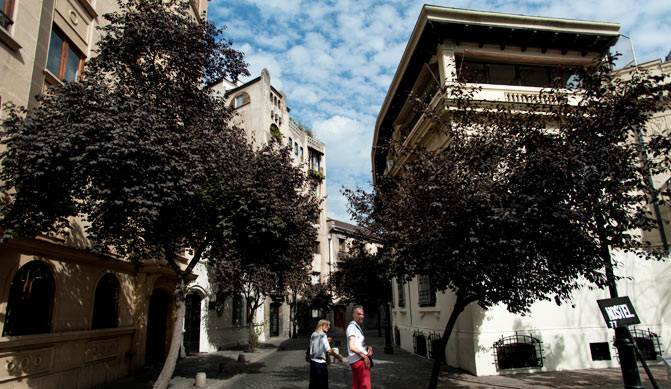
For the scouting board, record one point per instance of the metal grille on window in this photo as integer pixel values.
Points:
(648, 343)
(427, 295)
(401, 294)
(419, 343)
(518, 351)
(434, 346)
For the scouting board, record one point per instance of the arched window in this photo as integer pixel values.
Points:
(31, 297)
(106, 303)
(239, 100)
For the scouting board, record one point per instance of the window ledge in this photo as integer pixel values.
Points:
(432, 311)
(400, 310)
(89, 8)
(9, 40)
(52, 80)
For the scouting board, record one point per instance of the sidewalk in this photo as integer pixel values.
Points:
(398, 370)
(218, 366)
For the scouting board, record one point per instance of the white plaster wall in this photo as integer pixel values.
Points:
(566, 331)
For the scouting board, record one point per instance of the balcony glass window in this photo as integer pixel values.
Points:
(534, 76)
(502, 74)
(509, 74)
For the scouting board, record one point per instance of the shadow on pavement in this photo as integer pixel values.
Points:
(217, 367)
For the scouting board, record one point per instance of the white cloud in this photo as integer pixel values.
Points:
(335, 59)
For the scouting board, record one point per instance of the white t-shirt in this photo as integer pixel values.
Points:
(354, 330)
(319, 346)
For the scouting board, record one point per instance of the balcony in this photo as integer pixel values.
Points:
(317, 172)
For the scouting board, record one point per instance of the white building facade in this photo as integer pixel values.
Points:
(512, 57)
(262, 111)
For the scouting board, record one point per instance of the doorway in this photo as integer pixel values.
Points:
(157, 319)
(274, 319)
(339, 317)
(192, 324)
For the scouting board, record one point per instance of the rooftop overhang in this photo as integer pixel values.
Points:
(436, 24)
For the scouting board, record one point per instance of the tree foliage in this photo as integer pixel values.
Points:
(523, 201)
(131, 145)
(360, 276)
(135, 148)
(270, 248)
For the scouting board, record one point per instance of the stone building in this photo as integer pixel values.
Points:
(262, 111)
(511, 58)
(70, 318)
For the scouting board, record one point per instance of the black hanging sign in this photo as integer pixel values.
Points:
(618, 312)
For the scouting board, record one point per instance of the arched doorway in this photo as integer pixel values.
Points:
(157, 319)
(192, 324)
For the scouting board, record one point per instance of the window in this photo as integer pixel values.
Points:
(62, 61)
(106, 303)
(518, 351)
(240, 100)
(236, 310)
(301, 153)
(600, 351)
(315, 313)
(31, 296)
(275, 131)
(427, 295)
(291, 142)
(509, 74)
(296, 148)
(341, 245)
(419, 343)
(400, 294)
(315, 248)
(315, 278)
(6, 11)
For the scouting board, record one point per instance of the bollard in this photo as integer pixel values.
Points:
(201, 379)
(331, 357)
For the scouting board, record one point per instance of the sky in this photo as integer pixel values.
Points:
(335, 60)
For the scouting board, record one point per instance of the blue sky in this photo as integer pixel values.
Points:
(335, 59)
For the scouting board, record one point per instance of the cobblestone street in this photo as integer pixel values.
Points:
(281, 364)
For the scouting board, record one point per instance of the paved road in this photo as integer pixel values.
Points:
(281, 364)
(286, 368)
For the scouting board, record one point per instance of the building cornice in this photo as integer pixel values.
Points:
(438, 23)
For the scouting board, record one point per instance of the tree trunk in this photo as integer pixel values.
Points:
(459, 306)
(163, 379)
(252, 331)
